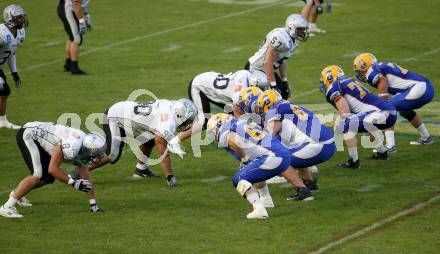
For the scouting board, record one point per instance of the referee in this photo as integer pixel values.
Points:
(76, 21)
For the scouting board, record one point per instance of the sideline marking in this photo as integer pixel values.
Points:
(212, 180)
(414, 209)
(155, 34)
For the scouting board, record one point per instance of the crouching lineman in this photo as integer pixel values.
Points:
(308, 141)
(360, 111)
(220, 89)
(262, 157)
(44, 147)
(151, 124)
(12, 35)
(404, 89)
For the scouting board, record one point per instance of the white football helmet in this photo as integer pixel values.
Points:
(185, 112)
(296, 26)
(93, 147)
(258, 79)
(15, 16)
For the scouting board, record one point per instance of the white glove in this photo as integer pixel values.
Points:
(175, 147)
(82, 26)
(81, 184)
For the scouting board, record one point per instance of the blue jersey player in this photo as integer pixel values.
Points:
(308, 141)
(262, 157)
(360, 111)
(405, 89)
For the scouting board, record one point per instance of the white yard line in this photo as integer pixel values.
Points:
(376, 225)
(417, 57)
(214, 179)
(155, 34)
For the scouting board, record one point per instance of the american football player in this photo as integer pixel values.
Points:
(360, 111)
(221, 89)
(261, 156)
(44, 147)
(12, 34)
(74, 14)
(406, 90)
(159, 123)
(278, 46)
(308, 141)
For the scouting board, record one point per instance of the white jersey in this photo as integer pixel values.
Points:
(50, 135)
(221, 87)
(144, 119)
(279, 39)
(9, 43)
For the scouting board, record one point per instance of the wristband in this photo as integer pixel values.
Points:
(71, 181)
(273, 84)
(82, 20)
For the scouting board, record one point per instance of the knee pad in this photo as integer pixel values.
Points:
(243, 186)
(408, 115)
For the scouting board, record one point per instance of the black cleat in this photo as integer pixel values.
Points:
(302, 194)
(350, 164)
(78, 72)
(144, 173)
(171, 181)
(380, 156)
(312, 185)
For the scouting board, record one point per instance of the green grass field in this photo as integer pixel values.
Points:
(160, 45)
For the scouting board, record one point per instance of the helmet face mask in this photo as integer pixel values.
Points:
(15, 17)
(297, 26)
(215, 123)
(258, 79)
(328, 75)
(246, 95)
(267, 100)
(92, 149)
(362, 63)
(185, 113)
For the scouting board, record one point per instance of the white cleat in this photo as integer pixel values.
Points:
(313, 169)
(8, 125)
(313, 28)
(259, 212)
(276, 180)
(267, 202)
(9, 212)
(22, 201)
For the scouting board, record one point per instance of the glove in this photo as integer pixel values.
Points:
(17, 79)
(81, 184)
(319, 9)
(175, 147)
(82, 26)
(329, 6)
(171, 181)
(88, 21)
(285, 89)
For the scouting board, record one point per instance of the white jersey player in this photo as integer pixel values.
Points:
(12, 35)
(278, 46)
(156, 123)
(220, 89)
(44, 147)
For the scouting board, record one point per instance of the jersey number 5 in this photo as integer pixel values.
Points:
(358, 87)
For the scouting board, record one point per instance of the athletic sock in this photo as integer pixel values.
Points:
(74, 67)
(389, 137)
(253, 198)
(353, 153)
(11, 202)
(3, 118)
(67, 64)
(424, 133)
(264, 192)
(141, 166)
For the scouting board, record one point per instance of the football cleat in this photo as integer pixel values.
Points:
(95, 209)
(267, 201)
(171, 181)
(350, 164)
(9, 125)
(143, 173)
(23, 201)
(392, 149)
(78, 72)
(276, 180)
(259, 212)
(380, 156)
(9, 212)
(312, 185)
(420, 141)
(302, 194)
(313, 28)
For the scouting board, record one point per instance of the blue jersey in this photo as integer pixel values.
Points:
(304, 120)
(359, 99)
(253, 140)
(399, 79)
